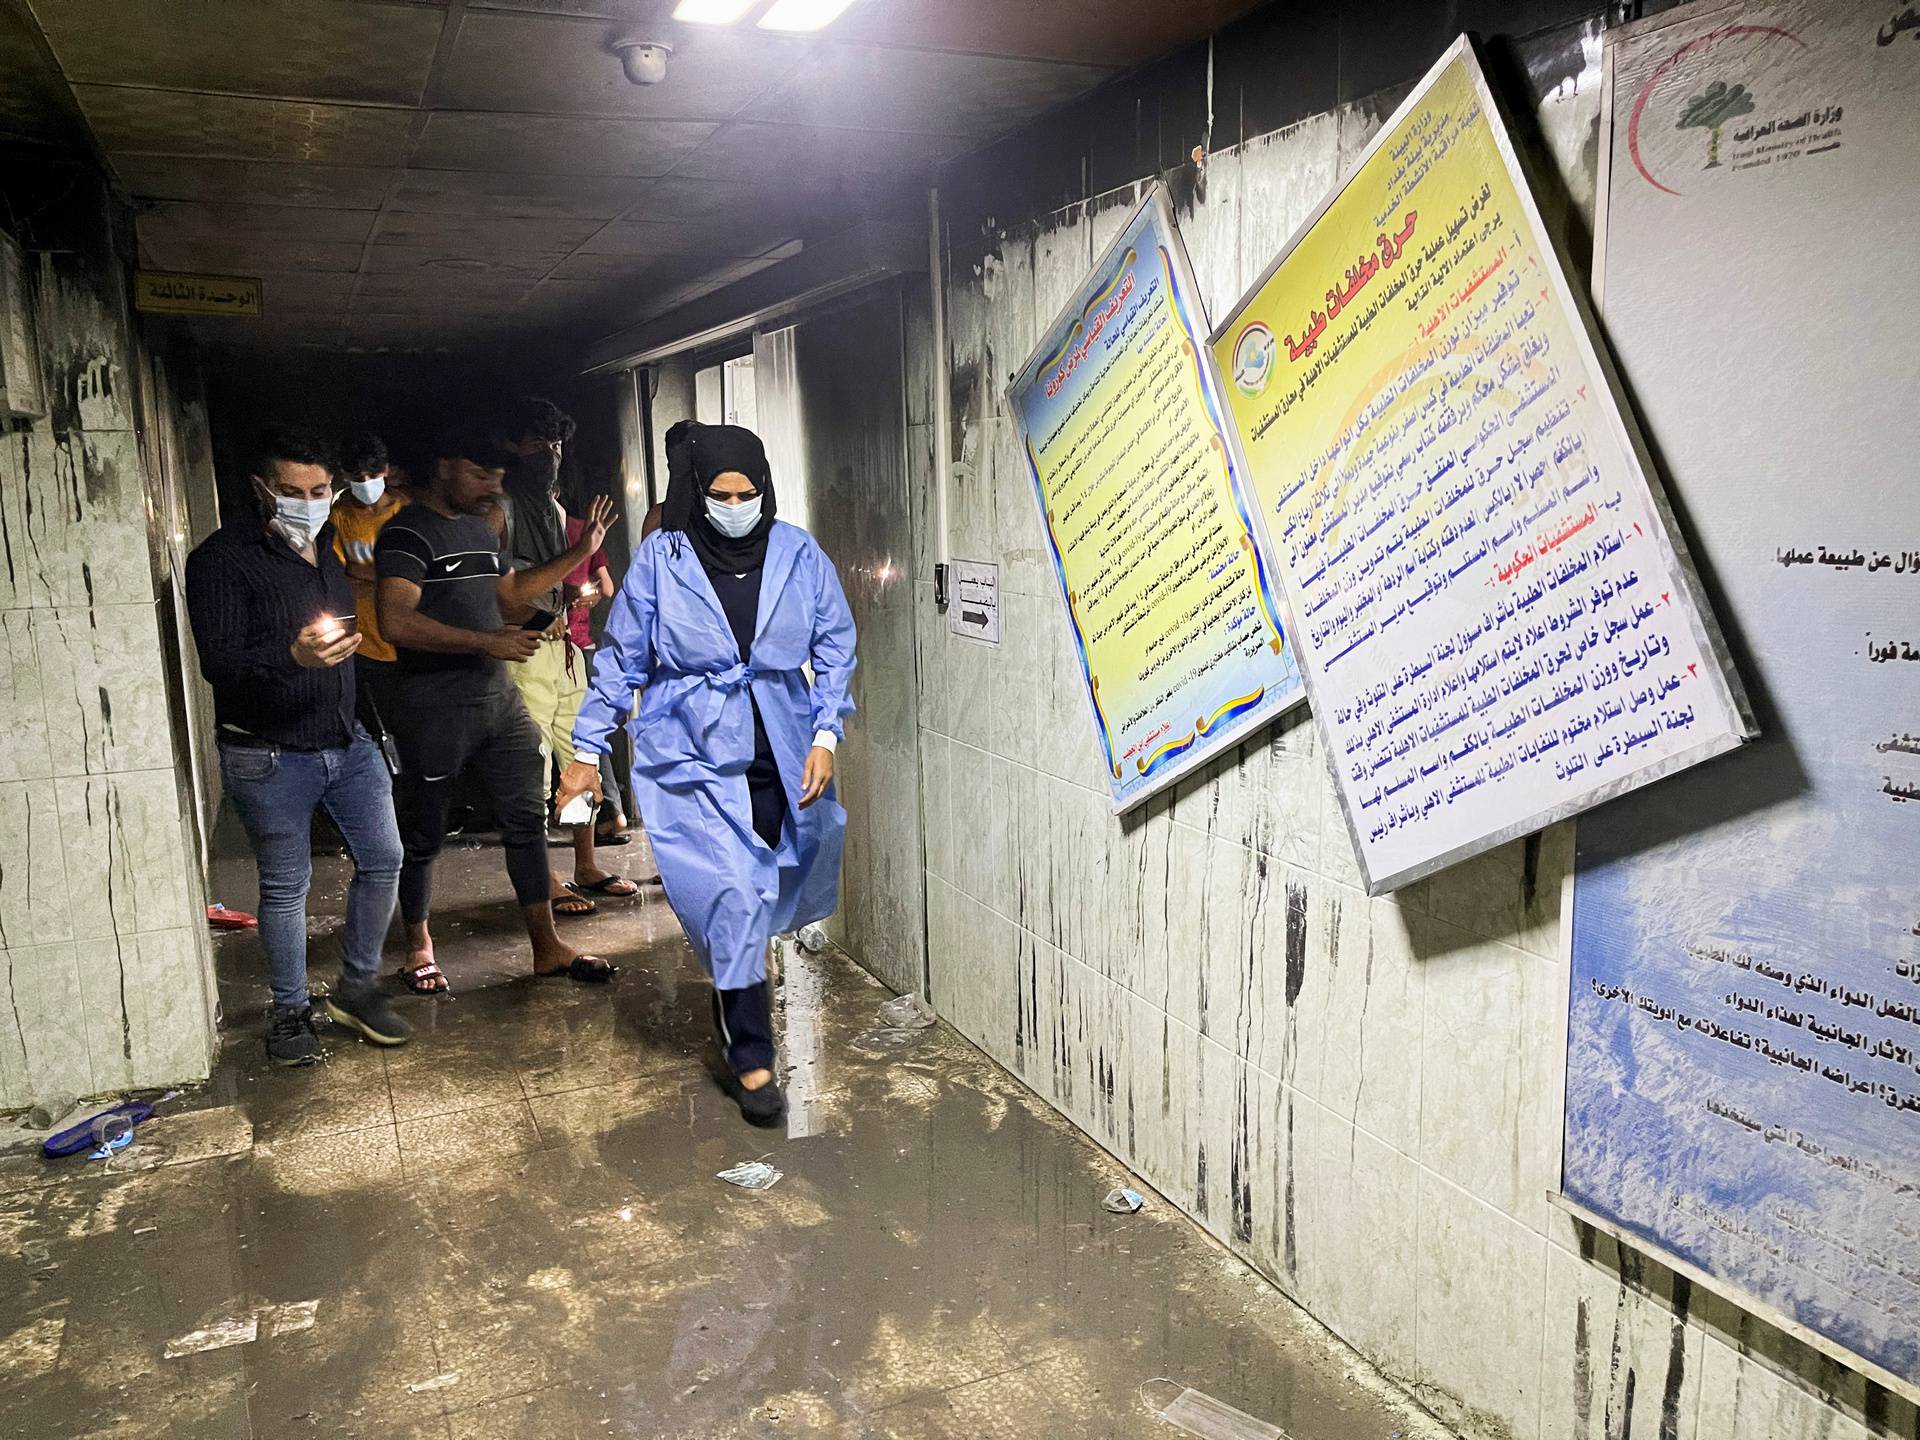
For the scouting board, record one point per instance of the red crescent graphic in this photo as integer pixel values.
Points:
(1646, 90)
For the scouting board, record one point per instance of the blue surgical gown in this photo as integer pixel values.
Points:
(693, 738)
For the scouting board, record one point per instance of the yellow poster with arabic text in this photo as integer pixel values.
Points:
(1494, 624)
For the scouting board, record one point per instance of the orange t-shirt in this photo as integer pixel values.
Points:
(355, 528)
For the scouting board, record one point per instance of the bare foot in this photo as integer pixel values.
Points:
(552, 959)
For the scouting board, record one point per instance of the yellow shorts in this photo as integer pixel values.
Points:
(553, 697)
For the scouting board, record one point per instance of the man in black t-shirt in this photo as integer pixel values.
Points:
(442, 577)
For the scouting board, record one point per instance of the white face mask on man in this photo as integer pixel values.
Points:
(297, 519)
(369, 488)
(733, 521)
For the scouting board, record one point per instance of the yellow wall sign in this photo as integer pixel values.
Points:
(162, 292)
(1494, 624)
(1159, 559)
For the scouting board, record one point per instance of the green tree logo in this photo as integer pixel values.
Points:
(1712, 108)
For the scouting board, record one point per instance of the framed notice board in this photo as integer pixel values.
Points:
(1494, 618)
(1150, 526)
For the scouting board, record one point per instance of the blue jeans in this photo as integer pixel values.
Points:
(274, 792)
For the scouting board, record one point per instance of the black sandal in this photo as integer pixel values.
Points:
(608, 885)
(587, 969)
(426, 978)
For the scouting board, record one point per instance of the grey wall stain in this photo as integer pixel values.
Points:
(1296, 940)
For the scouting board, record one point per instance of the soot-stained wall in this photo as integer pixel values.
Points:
(1361, 1097)
(105, 969)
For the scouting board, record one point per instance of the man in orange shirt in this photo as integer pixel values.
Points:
(376, 493)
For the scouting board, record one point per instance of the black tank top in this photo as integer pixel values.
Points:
(739, 597)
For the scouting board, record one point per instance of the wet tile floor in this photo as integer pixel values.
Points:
(513, 1228)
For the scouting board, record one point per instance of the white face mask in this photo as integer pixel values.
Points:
(297, 521)
(369, 488)
(733, 521)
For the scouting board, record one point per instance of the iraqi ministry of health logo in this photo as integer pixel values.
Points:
(1253, 358)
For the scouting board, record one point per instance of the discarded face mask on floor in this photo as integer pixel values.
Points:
(907, 1012)
(751, 1175)
(1123, 1201)
(1198, 1413)
(903, 1021)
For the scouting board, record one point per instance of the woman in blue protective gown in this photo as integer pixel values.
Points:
(732, 748)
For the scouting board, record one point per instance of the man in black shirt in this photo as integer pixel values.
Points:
(443, 575)
(272, 617)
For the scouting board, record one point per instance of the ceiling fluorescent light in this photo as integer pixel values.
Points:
(799, 15)
(713, 12)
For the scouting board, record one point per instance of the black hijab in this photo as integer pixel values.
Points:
(695, 455)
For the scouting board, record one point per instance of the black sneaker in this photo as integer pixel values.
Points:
(291, 1039)
(365, 1009)
(765, 1107)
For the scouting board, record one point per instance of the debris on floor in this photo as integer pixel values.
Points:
(437, 1382)
(221, 918)
(812, 939)
(887, 1039)
(111, 1131)
(50, 1113)
(218, 1336)
(907, 1012)
(1200, 1414)
(1123, 1201)
(752, 1175)
(263, 1324)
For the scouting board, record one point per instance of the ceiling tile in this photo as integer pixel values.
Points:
(483, 235)
(555, 66)
(715, 239)
(878, 88)
(34, 102)
(297, 49)
(258, 182)
(648, 268)
(1091, 32)
(407, 332)
(190, 222)
(786, 156)
(604, 9)
(244, 256)
(431, 265)
(167, 122)
(476, 193)
(556, 145)
(301, 289)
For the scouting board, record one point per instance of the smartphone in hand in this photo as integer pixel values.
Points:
(539, 620)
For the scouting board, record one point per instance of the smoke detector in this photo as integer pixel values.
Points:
(644, 60)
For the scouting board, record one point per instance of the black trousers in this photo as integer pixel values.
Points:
(377, 693)
(744, 1020)
(498, 740)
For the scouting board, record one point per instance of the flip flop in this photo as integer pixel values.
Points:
(607, 842)
(587, 969)
(608, 885)
(76, 1138)
(575, 901)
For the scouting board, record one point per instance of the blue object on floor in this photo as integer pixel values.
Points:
(76, 1138)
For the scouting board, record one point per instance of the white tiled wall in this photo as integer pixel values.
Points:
(1360, 1096)
(103, 953)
